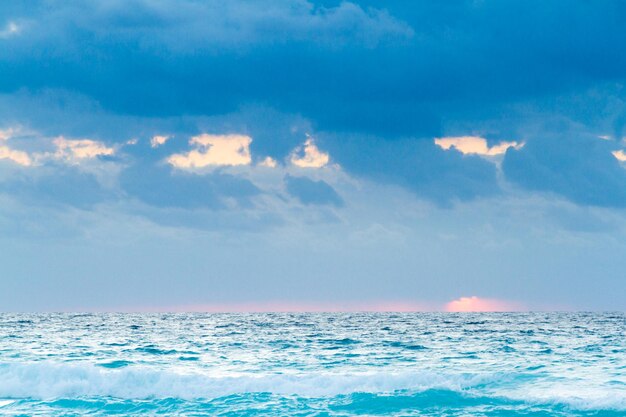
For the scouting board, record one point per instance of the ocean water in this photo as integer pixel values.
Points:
(361, 364)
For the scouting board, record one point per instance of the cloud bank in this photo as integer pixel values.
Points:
(313, 141)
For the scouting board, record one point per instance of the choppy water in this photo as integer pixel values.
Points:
(313, 364)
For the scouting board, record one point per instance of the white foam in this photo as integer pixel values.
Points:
(587, 397)
(44, 380)
(47, 380)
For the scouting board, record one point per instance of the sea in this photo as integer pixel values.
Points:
(348, 364)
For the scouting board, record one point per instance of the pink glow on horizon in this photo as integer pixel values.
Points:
(462, 304)
(296, 307)
(476, 304)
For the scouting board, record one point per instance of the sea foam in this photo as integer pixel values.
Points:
(49, 381)
(43, 380)
(307, 364)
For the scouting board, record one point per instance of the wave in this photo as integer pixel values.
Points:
(4, 403)
(47, 380)
(56, 380)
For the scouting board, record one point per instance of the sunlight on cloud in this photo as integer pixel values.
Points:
(268, 162)
(218, 150)
(19, 157)
(6, 133)
(76, 149)
(68, 150)
(309, 156)
(476, 304)
(620, 155)
(475, 145)
(158, 140)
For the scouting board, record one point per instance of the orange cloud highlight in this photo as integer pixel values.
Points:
(476, 304)
(309, 156)
(476, 145)
(620, 155)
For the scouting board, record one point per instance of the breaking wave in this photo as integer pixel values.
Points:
(46, 381)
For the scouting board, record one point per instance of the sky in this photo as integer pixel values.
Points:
(291, 155)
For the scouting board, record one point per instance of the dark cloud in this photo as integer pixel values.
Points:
(389, 68)
(582, 169)
(420, 166)
(55, 185)
(312, 192)
(159, 185)
(276, 69)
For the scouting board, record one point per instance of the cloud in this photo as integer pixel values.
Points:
(401, 71)
(309, 156)
(476, 304)
(374, 87)
(6, 152)
(158, 140)
(161, 186)
(266, 35)
(29, 148)
(251, 24)
(311, 192)
(214, 150)
(408, 71)
(19, 157)
(581, 169)
(6, 133)
(268, 162)
(55, 186)
(417, 165)
(620, 155)
(73, 150)
(474, 145)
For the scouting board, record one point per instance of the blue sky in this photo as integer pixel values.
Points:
(287, 154)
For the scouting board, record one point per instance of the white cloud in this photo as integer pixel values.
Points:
(6, 133)
(6, 152)
(217, 150)
(475, 145)
(268, 162)
(620, 155)
(158, 140)
(309, 156)
(19, 157)
(76, 149)
(67, 150)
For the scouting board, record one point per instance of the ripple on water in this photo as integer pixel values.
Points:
(115, 364)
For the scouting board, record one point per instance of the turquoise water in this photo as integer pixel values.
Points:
(548, 364)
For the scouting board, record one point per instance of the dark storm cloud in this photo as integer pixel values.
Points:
(345, 66)
(389, 70)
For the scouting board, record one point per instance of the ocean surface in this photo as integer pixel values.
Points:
(359, 364)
